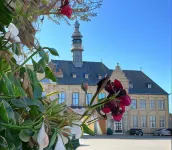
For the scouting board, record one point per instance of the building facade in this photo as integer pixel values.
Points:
(149, 108)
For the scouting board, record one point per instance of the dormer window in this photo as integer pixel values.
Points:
(74, 75)
(131, 85)
(99, 76)
(149, 86)
(86, 76)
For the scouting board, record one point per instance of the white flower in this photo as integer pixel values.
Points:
(77, 131)
(42, 138)
(65, 139)
(12, 34)
(59, 144)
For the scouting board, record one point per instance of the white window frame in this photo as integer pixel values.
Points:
(88, 98)
(162, 122)
(86, 76)
(131, 85)
(149, 86)
(62, 97)
(152, 104)
(161, 104)
(141, 104)
(135, 121)
(74, 75)
(152, 121)
(144, 121)
(75, 99)
(134, 101)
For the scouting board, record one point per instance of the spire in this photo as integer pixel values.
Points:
(118, 67)
(77, 46)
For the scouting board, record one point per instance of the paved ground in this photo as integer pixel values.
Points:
(126, 143)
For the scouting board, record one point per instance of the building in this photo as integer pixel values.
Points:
(149, 108)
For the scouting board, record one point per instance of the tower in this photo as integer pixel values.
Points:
(77, 46)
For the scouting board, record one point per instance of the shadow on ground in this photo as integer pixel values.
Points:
(144, 137)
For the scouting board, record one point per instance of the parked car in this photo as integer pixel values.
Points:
(136, 132)
(162, 132)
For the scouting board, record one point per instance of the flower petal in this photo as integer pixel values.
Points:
(66, 10)
(65, 139)
(125, 100)
(117, 117)
(7, 35)
(42, 138)
(106, 110)
(16, 39)
(59, 144)
(13, 29)
(118, 84)
(77, 131)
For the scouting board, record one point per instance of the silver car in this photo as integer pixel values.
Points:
(162, 132)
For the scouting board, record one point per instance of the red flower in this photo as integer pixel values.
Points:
(116, 108)
(66, 10)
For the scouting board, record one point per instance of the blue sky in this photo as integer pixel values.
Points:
(133, 33)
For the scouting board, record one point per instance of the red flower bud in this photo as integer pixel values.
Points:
(66, 10)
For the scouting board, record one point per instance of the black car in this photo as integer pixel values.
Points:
(136, 132)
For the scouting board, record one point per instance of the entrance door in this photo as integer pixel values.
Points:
(118, 127)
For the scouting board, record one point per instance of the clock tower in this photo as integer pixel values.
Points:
(77, 46)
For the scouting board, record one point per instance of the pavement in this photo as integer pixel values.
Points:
(125, 142)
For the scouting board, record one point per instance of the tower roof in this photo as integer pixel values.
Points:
(76, 33)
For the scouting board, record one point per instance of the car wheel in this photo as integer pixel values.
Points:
(140, 134)
(160, 134)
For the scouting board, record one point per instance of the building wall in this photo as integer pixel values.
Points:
(148, 111)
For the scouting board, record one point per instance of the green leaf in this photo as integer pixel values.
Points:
(11, 146)
(53, 138)
(32, 76)
(19, 119)
(21, 103)
(49, 74)
(25, 135)
(4, 116)
(37, 91)
(41, 65)
(4, 65)
(12, 136)
(42, 53)
(35, 65)
(52, 51)
(87, 130)
(6, 16)
(31, 102)
(3, 143)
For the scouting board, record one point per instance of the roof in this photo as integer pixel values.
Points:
(91, 68)
(137, 78)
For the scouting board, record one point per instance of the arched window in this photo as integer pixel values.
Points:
(62, 97)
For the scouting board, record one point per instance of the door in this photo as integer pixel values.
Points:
(118, 127)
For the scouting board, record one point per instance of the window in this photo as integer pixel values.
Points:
(74, 75)
(101, 95)
(161, 104)
(99, 77)
(131, 85)
(153, 121)
(88, 98)
(62, 97)
(134, 104)
(149, 86)
(75, 99)
(135, 121)
(86, 76)
(143, 104)
(162, 122)
(143, 121)
(152, 104)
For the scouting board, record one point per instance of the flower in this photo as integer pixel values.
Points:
(66, 10)
(59, 144)
(84, 87)
(42, 138)
(102, 83)
(116, 108)
(77, 131)
(12, 34)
